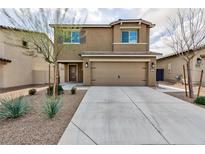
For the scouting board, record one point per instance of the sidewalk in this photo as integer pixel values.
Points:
(165, 88)
(69, 85)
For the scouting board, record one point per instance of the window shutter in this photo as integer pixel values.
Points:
(83, 36)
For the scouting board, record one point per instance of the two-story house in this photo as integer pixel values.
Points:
(106, 54)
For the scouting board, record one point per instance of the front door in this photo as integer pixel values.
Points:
(72, 73)
(160, 74)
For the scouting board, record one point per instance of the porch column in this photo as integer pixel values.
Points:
(61, 73)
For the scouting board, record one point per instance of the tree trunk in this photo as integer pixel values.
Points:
(57, 77)
(49, 78)
(54, 80)
(191, 92)
(55, 84)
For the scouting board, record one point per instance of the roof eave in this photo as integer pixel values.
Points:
(80, 25)
(134, 20)
(104, 25)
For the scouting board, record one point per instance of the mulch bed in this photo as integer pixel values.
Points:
(35, 127)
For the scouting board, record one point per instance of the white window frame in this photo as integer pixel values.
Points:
(129, 31)
(71, 36)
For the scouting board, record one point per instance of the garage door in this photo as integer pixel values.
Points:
(115, 73)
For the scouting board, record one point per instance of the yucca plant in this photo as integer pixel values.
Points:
(13, 107)
(52, 106)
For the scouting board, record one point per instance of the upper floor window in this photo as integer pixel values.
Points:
(129, 37)
(72, 37)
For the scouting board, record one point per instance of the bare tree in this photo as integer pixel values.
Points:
(186, 35)
(38, 20)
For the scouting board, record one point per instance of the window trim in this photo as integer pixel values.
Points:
(71, 36)
(129, 42)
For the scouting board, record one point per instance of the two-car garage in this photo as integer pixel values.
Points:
(119, 68)
(119, 73)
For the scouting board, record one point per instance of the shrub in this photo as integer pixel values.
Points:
(200, 100)
(60, 90)
(13, 107)
(32, 92)
(52, 106)
(73, 90)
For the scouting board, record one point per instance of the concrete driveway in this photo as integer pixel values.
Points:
(134, 115)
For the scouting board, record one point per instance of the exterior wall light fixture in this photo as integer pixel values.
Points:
(86, 64)
(152, 65)
(198, 61)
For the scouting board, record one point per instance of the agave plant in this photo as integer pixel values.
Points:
(13, 107)
(52, 106)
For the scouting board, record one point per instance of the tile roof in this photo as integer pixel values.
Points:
(176, 54)
(18, 29)
(105, 25)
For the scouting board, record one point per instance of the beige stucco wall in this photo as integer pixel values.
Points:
(62, 72)
(23, 70)
(104, 39)
(1, 55)
(197, 69)
(1, 75)
(40, 70)
(97, 39)
(152, 72)
(143, 37)
(176, 67)
(19, 71)
(177, 63)
(130, 47)
(1, 44)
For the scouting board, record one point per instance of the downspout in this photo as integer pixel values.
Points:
(112, 38)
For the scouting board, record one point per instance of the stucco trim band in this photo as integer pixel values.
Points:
(69, 61)
(119, 60)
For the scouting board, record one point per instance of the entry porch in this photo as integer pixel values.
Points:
(71, 72)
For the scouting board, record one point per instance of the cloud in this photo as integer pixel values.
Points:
(161, 46)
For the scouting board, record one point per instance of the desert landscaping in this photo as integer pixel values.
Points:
(35, 127)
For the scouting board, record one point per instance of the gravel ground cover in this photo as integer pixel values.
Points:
(35, 127)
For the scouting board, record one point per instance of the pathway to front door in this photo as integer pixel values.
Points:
(134, 115)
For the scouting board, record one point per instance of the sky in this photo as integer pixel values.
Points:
(159, 17)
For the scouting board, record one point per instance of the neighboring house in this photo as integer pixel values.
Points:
(16, 68)
(171, 66)
(106, 54)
